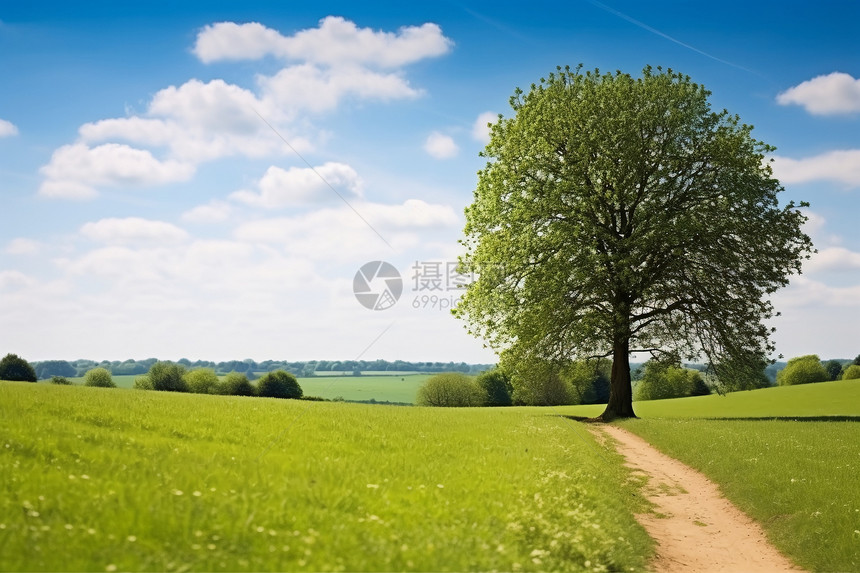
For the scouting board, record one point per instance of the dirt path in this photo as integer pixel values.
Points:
(696, 528)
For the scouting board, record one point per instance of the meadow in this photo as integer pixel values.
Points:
(788, 456)
(400, 388)
(100, 479)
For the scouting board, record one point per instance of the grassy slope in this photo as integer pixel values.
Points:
(103, 479)
(788, 456)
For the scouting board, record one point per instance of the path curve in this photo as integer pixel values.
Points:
(696, 528)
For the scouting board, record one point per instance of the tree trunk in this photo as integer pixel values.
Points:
(620, 389)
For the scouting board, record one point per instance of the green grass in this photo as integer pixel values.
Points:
(110, 479)
(788, 456)
(380, 388)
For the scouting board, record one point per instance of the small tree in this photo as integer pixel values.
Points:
(167, 376)
(834, 369)
(802, 370)
(852, 372)
(279, 384)
(498, 387)
(16, 369)
(143, 383)
(237, 384)
(60, 380)
(202, 381)
(663, 380)
(451, 390)
(99, 377)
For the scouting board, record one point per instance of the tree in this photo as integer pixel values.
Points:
(852, 372)
(497, 385)
(619, 215)
(49, 368)
(16, 369)
(202, 381)
(663, 380)
(856, 361)
(802, 370)
(164, 376)
(451, 390)
(99, 377)
(834, 369)
(279, 384)
(237, 384)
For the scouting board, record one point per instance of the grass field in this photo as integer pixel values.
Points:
(382, 388)
(108, 479)
(788, 456)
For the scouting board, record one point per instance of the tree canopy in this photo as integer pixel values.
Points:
(619, 215)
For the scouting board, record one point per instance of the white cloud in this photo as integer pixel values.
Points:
(833, 259)
(302, 186)
(335, 42)
(308, 87)
(480, 129)
(213, 212)
(841, 166)
(75, 170)
(825, 95)
(10, 280)
(440, 146)
(22, 246)
(7, 128)
(340, 234)
(134, 231)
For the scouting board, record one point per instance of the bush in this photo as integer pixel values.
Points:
(167, 377)
(851, 373)
(143, 383)
(451, 390)
(279, 384)
(16, 369)
(202, 381)
(802, 370)
(497, 385)
(99, 377)
(61, 380)
(662, 381)
(236, 384)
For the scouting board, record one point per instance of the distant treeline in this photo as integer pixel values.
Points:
(303, 369)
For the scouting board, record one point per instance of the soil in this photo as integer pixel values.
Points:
(696, 528)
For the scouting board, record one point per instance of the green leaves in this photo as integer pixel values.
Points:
(624, 208)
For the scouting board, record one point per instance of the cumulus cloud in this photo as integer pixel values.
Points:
(75, 170)
(829, 94)
(7, 128)
(133, 231)
(440, 146)
(22, 246)
(336, 41)
(213, 212)
(833, 259)
(299, 186)
(841, 166)
(480, 129)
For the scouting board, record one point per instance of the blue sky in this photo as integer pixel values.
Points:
(162, 167)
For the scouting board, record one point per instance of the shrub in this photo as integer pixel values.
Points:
(497, 385)
(168, 377)
(16, 369)
(802, 370)
(202, 381)
(236, 384)
(451, 390)
(99, 377)
(143, 383)
(661, 381)
(61, 380)
(851, 373)
(279, 384)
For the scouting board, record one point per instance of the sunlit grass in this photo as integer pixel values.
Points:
(112, 479)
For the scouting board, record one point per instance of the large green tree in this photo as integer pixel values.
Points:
(619, 215)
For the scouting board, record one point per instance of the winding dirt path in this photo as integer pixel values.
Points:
(696, 528)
